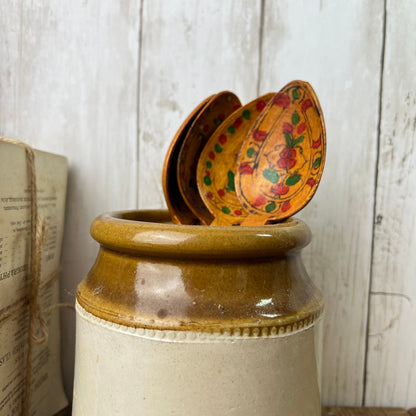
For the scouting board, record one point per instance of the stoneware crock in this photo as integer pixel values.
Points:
(196, 320)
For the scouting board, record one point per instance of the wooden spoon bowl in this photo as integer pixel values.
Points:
(281, 162)
(216, 166)
(215, 111)
(178, 209)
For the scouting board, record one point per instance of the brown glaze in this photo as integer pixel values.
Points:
(153, 274)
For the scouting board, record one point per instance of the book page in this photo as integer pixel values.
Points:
(47, 395)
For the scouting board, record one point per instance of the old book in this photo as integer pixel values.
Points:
(46, 395)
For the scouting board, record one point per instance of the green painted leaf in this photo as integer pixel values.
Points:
(231, 129)
(289, 141)
(317, 163)
(250, 151)
(298, 140)
(218, 148)
(295, 118)
(207, 180)
(217, 121)
(201, 137)
(292, 180)
(271, 175)
(208, 165)
(295, 95)
(246, 114)
(225, 210)
(270, 206)
(230, 185)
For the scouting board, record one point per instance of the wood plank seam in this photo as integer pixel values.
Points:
(380, 114)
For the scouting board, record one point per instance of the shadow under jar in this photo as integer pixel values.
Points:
(196, 320)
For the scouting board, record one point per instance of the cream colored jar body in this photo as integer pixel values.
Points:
(196, 320)
(121, 371)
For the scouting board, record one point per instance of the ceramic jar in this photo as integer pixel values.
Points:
(196, 320)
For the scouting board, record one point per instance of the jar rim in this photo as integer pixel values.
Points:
(150, 232)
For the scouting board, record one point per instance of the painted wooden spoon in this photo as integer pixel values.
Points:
(218, 108)
(281, 162)
(178, 209)
(216, 166)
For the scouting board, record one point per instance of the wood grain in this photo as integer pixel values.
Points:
(391, 370)
(69, 85)
(190, 50)
(363, 411)
(336, 47)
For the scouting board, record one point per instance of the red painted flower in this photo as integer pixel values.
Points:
(238, 122)
(236, 107)
(261, 200)
(285, 206)
(259, 135)
(288, 153)
(206, 128)
(245, 169)
(211, 155)
(287, 158)
(311, 182)
(281, 100)
(279, 189)
(207, 172)
(209, 195)
(221, 116)
(221, 192)
(286, 163)
(301, 128)
(223, 139)
(260, 105)
(287, 128)
(306, 104)
(316, 143)
(237, 212)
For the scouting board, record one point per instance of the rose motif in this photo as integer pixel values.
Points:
(285, 206)
(311, 182)
(301, 128)
(261, 200)
(279, 189)
(316, 143)
(260, 105)
(245, 169)
(259, 135)
(287, 128)
(306, 104)
(238, 122)
(281, 100)
(287, 158)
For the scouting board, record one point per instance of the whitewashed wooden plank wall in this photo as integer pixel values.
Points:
(68, 84)
(391, 370)
(107, 83)
(189, 51)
